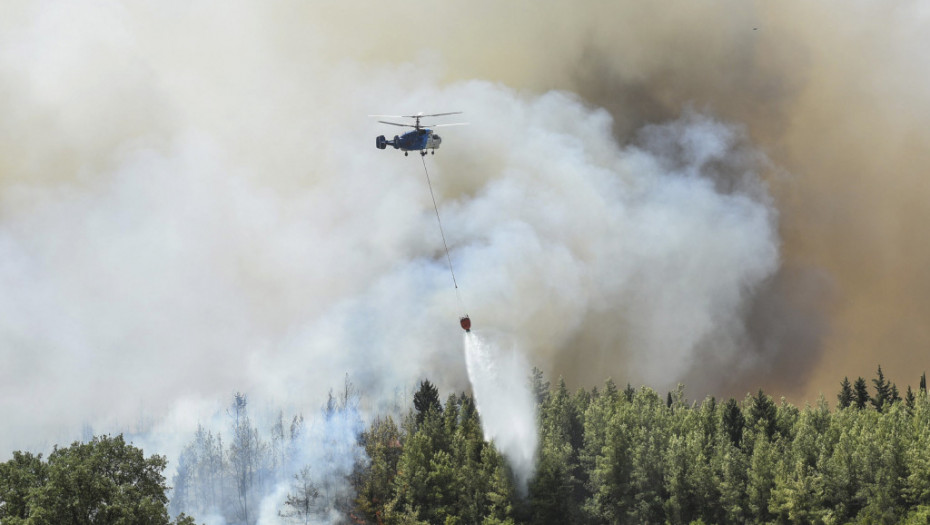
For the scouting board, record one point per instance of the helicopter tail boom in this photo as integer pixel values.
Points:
(383, 143)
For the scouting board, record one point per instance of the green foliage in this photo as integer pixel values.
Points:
(19, 479)
(910, 399)
(104, 480)
(846, 396)
(918, 516)
(608, 457)
(426, 399)
(633, 456)
(444, 471)
(383, 447)
(861, 392)
(554, 492)
(733, 422)
(762, 467)
(539, 386)
(762, 414)
(628, 392)
(882, 391)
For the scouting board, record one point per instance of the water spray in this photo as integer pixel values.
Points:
(497, 373)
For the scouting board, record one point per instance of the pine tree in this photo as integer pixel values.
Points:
(418, 493)
(610, 389)
(628, 392)
(426, 398)
(499, 494)
(909, 400)
(561, 438)
(610, 467)
(383, 448)
(244, 456)
(762, 411)
(882, 391)
(861, 393)
(733, 421)
(539, 386)
(302, 502)
(762, 468)
(551, 489)
(923, 382)
(846, 395)
(895, 396)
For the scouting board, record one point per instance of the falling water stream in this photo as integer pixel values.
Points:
(499, 378)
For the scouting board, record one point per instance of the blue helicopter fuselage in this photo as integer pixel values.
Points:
(417, 140)
(414, 140)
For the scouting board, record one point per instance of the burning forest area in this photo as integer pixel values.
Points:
(289, 262)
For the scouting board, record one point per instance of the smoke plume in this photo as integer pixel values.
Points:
(727, 194)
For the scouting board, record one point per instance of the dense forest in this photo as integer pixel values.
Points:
(606, 455)
(631, 456)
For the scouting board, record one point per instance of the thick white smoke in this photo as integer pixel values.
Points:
(183, 216)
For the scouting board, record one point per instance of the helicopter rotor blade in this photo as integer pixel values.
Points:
(445, 125)
(435, 114)
(397, 124)
(417, 124)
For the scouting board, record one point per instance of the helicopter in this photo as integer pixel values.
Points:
(422, 138)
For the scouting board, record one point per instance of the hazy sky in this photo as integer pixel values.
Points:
(728, 194)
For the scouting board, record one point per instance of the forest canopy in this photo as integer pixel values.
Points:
(105, 480)
(606, 455)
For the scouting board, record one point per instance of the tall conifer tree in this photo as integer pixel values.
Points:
(845, 396)
(882, 391)
(861, 393)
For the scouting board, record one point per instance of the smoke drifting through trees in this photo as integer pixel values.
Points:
(300, 471)
(606, 455)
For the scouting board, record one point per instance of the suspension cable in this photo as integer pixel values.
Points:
(439, 221)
